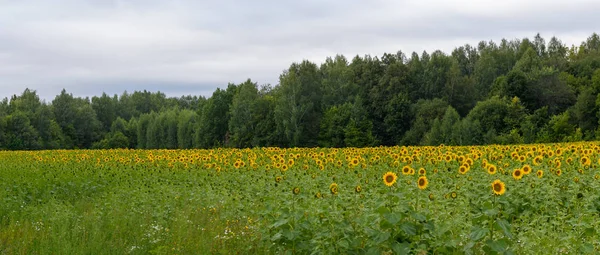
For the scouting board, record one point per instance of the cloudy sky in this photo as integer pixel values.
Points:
(192, 47)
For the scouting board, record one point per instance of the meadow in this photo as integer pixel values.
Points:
(515, 199)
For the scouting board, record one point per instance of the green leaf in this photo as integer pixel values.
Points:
(401, 248)
(586, 248)
(392, 218)
(374, 251)
(589, 232)
(276, 236)
(381, 237)
(279, 223)
(409, 228)
(491, 212)
(419, 217)
(503, 225)
(343, 244)
(498, 245)
(382, 210)
(478, 232)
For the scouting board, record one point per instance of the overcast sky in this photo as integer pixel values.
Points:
(193, 47)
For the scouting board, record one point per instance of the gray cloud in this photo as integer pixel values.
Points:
(193, 47)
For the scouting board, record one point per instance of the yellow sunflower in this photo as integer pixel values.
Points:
(389, 178)
(422, 182)
(540, 173)
(358, 189)
(406, 170)
(333, 188)
(491, 169)
(585, 161)
(498, 187)
(517, 174)
(526, 169)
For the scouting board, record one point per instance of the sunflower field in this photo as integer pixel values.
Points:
(517, 199)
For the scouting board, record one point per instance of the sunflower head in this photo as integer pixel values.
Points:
(296, 190)
(491, 169)
(526, 169)
(406, 170)
(558, 172)
(537, 160)
(422, 182)
(389, 179)
(585, 161)
(498, 187)
(540, 173)
(422, 171)
(517, 174)
(333, 188)
(462, 169)
(453, 195)
(358, 189)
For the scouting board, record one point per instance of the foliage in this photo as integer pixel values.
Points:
(376, 200)
(512, 91)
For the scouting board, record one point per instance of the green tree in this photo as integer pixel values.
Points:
(19, 134)
(186, 129)
(298, 110)
(241, 126)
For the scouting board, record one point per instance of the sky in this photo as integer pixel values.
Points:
(192, 47)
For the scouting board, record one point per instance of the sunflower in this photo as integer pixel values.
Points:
(558, 172)
(406, 170)
(585, 161)
(526, 169)
(540, 173)
(333, 188)
(358, 189)
(576, 179)
(462, 169)
(498, 187)
(431, 197)
(491, 169)
(422, 182)
(318, 195)
(389, 178)
(537, 160)
(569, 160)
(453, 195)
(422, 171)
(296, 190)
(278, 179)
(517, 174)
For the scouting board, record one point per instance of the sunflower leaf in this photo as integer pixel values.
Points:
(503, 225)
(478, 232)
(499, 246)
(409, 228)
(401, 248)
(392, 218)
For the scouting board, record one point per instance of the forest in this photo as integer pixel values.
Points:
(507, 92)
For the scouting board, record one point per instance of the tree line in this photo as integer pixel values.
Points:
(514, 91)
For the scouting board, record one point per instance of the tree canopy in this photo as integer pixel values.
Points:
(514, 91)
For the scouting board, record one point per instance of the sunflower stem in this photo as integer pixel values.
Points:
(492, 221)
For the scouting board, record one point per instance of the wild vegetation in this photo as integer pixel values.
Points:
(500, 199)
(514, 91)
